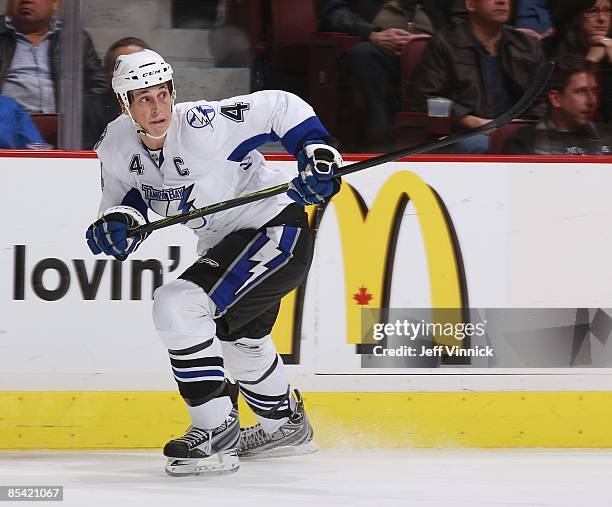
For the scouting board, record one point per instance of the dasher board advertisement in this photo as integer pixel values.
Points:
(517, 250)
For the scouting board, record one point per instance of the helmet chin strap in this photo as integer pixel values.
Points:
(140, 130)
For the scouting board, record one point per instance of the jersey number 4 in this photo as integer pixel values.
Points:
(136, 165)
(235, 112)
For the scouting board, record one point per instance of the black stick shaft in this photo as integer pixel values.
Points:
(531, 94)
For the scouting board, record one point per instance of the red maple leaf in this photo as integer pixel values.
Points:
(363, 297)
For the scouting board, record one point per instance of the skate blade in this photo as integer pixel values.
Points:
(182, 467)
(282, 452)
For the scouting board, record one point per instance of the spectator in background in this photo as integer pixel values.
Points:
(30, 38)
(583, 27)
(125, 46)
(568, 128)
(229, 44)
(481, 65)
(373, 65)
(533, 17)
(17, 131)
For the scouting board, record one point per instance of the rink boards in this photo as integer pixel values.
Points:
(81, 366)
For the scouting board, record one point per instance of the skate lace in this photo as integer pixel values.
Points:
(253, 436)
(195, 437)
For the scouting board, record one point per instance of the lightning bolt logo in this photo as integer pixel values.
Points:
(186, 205)
(261, 258)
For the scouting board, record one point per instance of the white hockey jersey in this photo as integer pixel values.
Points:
(209, 155)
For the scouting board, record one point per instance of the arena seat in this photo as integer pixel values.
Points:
(285, 43)
(410, 58)
(327, 86)
(338, 107)
(280, 33)
(413, 127)
(292, 26)
(249, 16)
(501, 135)
(48, 125)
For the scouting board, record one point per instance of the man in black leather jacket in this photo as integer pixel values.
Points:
(373, 66)
(34, 24)
(482, 66)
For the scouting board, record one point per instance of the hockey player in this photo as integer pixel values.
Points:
(216, 318)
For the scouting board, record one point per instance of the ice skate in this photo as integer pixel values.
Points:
(185, 453)
(292, 439)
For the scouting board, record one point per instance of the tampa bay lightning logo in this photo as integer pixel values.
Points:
(171, 201)
(200, 116)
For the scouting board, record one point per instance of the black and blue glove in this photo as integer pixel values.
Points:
(108, 234)
(317, 163)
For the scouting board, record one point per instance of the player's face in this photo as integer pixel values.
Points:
(25, 12)
(492, 11)
(152, 108)
(578, 101)
(596, 20)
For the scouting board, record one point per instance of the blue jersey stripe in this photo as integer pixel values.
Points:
(310, 129)
(292, 141)
(134, 199)
(251, 144)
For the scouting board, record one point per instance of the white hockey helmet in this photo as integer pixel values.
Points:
(140, 70)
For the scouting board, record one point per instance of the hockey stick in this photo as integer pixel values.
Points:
(531, 94)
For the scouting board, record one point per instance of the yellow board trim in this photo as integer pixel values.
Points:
(111, 420)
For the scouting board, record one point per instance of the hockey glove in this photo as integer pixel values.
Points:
(108, 234)
(314, 182)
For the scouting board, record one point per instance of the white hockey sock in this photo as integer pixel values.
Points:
(260, 373)
(183, 316)
(211, 414)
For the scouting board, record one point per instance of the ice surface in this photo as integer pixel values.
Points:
(377, 478)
